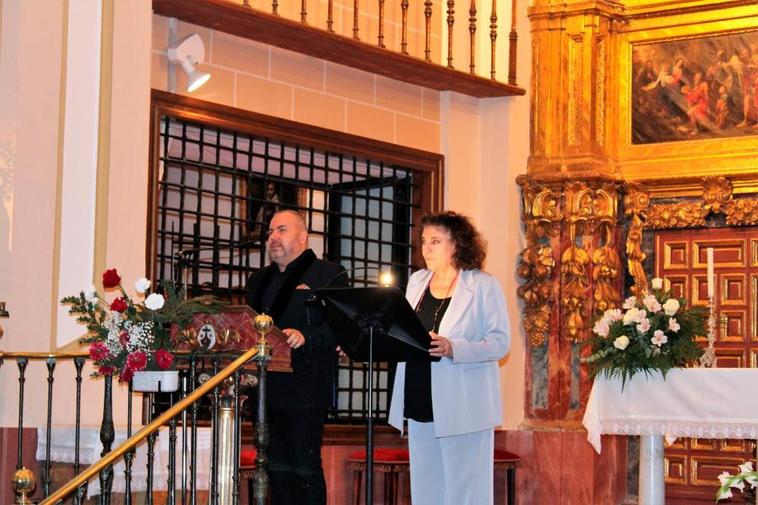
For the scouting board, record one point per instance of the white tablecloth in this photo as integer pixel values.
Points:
(692, 402)
(62, 450)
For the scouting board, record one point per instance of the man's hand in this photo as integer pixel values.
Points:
(295, 339)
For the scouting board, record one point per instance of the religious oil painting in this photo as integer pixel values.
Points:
(698, 88)
(265, 197)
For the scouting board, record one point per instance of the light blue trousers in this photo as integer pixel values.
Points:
(456, 470)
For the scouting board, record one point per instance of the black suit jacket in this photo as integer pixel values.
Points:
(310, 384)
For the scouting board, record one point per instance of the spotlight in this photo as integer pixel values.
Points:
(188, 52)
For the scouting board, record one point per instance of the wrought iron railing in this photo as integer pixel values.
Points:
(216, 376)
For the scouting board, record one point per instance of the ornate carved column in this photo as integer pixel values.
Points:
(571, 263)
(572, 271)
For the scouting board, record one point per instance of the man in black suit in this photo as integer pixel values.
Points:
(297, 402)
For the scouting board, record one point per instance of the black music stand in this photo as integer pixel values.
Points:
(374, 324)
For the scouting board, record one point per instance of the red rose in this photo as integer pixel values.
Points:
(111, 278)
(123, 338)
(105, 370)
(136, 361)
(164, 359)
(125, 375)
(119, 305)
(98, 351)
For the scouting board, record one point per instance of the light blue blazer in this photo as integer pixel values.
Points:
(465, 388)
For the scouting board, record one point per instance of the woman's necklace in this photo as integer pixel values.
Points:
(445, 299)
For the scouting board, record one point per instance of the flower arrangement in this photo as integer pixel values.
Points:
(652, 333)
(126, 337)
(729, 481)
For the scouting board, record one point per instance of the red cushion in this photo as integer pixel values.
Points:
(247, 456)
(383, 455)
(503, 456)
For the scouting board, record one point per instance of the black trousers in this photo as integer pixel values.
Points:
(295, 471)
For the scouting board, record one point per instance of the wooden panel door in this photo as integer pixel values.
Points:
(692, 465)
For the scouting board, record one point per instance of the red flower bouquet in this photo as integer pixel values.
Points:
(126, 337)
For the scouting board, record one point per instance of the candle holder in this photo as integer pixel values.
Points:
(708, 359)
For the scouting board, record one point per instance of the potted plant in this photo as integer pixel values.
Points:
(133, 339)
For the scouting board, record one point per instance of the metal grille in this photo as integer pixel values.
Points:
(216, 192)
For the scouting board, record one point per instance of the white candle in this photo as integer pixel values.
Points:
(711, 278)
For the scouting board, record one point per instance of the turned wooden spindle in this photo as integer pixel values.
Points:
(381, 24)
(493, 38)
(404, 40)
(303, 12)
(428, 30)
(450, 22)
(512, 46)
(275, 7)
(472, 32)
(330, 16)
(356, 10)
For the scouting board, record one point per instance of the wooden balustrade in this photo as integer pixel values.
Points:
(391, 53)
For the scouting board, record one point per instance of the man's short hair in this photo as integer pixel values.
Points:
(298, 215)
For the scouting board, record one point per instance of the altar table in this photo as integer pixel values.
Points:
(692, 402)
(62, 450)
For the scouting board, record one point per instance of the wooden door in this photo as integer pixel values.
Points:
(692, 465)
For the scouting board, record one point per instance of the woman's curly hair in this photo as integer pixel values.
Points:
(470, 246)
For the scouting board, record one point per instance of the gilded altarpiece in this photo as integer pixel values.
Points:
(581, 256)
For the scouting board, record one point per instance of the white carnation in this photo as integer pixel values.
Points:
(142, 285)
(657, 283)
(90, 294)
(154, 301)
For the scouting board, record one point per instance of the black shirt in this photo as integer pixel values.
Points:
(418, 374)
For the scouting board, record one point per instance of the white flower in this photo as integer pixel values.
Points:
(724, 478)
(142, 285)
(631, 316)
(746, 467)
(657, 283)
(629, 302)
(613, 315)
(651, 303)
(601, 327)
(659, 338)
(90, 294)
(621, 342)
(154, 301)
(673, 325)
(671, 306)
(643, 326)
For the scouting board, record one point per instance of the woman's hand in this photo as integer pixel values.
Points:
(441, 346)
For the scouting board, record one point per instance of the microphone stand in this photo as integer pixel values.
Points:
(370, 323)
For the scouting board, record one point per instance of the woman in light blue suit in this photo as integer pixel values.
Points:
(453, 405)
